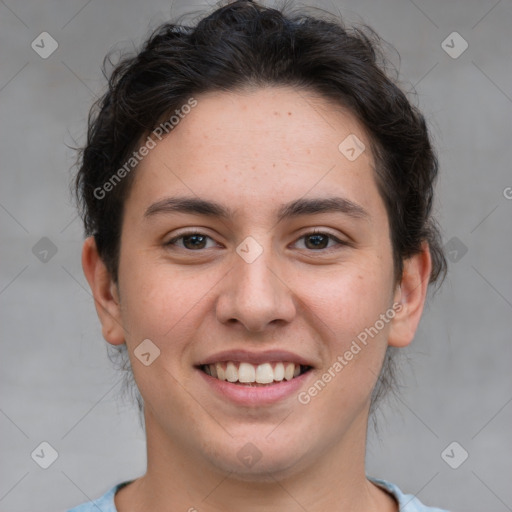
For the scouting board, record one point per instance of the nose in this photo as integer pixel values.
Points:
(256, 294)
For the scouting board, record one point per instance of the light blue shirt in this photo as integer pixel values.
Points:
(406, 502)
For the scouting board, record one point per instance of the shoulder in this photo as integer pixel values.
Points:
(407, 502)
(105, 503)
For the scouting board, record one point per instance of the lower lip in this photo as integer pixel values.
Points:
(256, 395)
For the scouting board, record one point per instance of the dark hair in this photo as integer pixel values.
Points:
(242, 45)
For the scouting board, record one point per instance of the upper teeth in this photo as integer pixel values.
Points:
(247, 372)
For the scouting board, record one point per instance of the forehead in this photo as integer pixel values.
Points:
(273, 121)
(253, 148)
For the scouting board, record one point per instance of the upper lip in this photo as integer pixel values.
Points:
(267, 356)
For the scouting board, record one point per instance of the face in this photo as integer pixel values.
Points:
(283, 282)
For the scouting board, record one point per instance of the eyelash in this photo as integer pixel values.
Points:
(311, 233)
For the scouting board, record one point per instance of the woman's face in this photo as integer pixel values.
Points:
(256, 288)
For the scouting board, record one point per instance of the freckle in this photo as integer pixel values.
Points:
(289, 113)
(253, 167)
(273, 165)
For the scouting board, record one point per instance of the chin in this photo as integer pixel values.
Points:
(258, 460)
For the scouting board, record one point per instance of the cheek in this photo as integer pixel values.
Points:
(350, 307)
(348, 299)
(162, 302)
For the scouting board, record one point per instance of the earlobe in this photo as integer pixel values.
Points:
(410, 297)
(105, 293)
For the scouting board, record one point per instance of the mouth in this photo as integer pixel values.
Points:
(255, 379)
(254, 375)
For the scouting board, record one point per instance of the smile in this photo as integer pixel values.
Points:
(248, 374)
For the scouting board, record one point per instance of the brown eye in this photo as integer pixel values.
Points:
(318, 240)
(191, 241)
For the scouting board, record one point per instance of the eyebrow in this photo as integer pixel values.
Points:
(314, 206)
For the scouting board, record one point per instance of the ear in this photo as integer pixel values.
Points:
(410, 296)
(104, 291)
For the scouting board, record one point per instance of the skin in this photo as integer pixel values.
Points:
(253, 151)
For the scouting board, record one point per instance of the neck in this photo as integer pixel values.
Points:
(180, 478)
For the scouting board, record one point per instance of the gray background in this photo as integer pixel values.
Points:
(57, 382)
